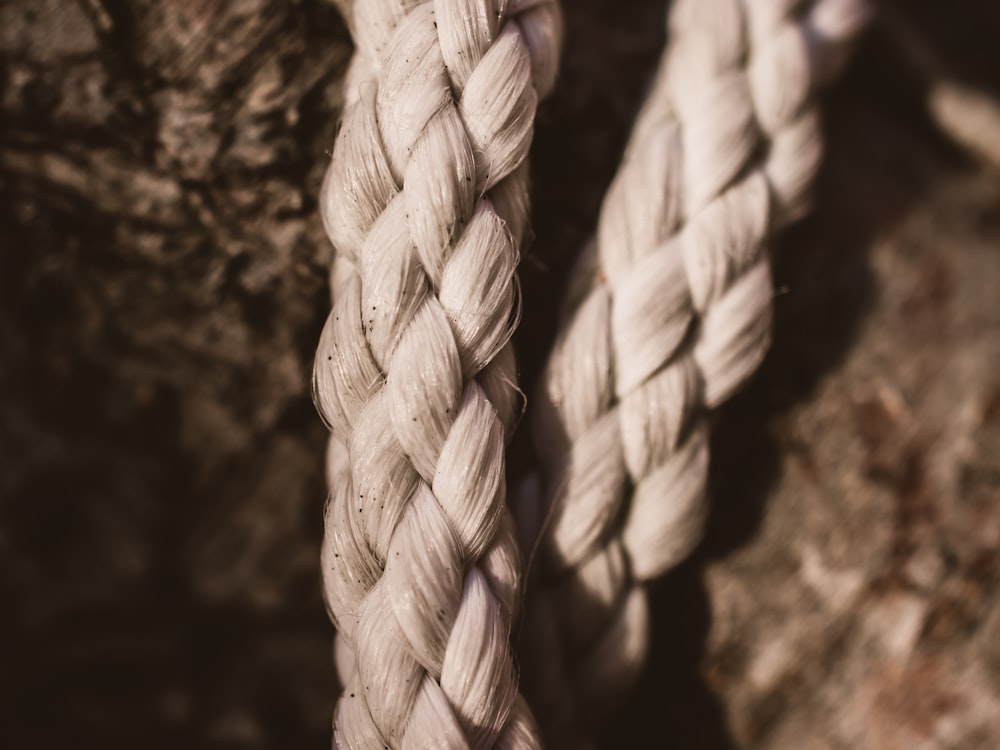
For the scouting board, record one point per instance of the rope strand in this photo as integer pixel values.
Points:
(426, 204)
(668, 318)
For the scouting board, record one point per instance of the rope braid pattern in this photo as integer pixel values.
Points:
(669, 313)
(426, 204)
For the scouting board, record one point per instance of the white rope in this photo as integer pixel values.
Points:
(669, 315)
(426, 204)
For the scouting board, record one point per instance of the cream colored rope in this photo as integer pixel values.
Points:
(669, 314)
(426, 204)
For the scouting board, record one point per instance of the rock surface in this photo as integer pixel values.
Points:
(162, 287)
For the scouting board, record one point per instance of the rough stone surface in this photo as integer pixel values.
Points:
(162, 287)
(162, 283)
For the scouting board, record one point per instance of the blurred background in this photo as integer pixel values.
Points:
(162, 288)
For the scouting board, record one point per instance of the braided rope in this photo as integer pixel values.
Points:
(426, 203)
(669, 313)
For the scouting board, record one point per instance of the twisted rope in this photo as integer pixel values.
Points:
(669, 313)
(426, 204)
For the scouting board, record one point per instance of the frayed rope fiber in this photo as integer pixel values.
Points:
(669, 314)
(426, 204)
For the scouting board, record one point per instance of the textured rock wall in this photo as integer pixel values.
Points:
(163, 283)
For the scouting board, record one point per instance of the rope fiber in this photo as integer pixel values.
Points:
(669, 314)
(425, 202)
